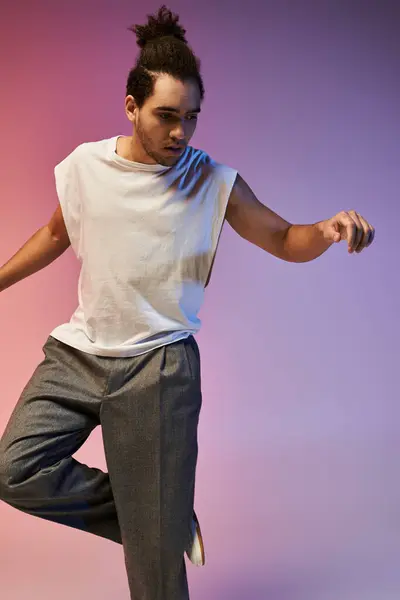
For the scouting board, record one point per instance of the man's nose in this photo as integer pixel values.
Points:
(178, 132)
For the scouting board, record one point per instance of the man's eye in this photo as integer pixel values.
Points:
(168, 117)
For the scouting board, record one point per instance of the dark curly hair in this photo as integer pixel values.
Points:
(164, 49)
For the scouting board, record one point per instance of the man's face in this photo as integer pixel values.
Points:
(167, 120)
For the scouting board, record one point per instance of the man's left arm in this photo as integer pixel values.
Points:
(261, 226)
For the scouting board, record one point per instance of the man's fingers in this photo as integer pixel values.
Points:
(367, 234)
(351, 229)
(371, 235)
(359, 232)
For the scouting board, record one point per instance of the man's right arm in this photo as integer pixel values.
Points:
(44, 247)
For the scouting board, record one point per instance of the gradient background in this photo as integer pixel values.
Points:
(298, 479)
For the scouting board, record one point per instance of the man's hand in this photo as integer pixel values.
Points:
(349, 226)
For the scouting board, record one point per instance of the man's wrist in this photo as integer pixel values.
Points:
(320, 227)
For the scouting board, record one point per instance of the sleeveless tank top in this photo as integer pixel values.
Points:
(146, 238)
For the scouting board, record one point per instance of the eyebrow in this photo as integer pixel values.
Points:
(171, 109)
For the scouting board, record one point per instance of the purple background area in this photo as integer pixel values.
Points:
(298, 480)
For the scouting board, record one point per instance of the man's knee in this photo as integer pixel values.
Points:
(4, 475)
(11, 476)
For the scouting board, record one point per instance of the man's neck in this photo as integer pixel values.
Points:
(128, 148)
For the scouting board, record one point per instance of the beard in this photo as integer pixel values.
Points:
(145, 140)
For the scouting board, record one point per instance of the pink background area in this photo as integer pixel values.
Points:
(298, 478)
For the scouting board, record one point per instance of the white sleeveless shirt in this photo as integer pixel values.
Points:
(146, 236)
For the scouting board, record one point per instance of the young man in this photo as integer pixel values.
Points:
(143, 214)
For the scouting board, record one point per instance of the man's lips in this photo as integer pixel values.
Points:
(175, 149)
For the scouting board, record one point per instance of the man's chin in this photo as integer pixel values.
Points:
(167, 161)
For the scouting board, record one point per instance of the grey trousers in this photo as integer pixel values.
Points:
(148, 407)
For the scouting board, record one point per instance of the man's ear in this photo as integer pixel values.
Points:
(130, 108)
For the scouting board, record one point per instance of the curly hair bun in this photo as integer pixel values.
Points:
(162, 24)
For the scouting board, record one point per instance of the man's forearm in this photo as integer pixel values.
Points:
(303, 243)
(38, 252)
